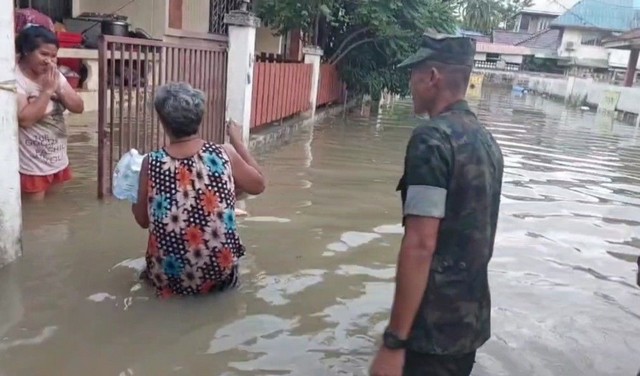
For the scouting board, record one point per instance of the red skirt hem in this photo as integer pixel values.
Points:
(37, 184)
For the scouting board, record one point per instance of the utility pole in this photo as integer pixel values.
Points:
(10, 202)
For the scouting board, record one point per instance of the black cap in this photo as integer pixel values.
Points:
(443, 48)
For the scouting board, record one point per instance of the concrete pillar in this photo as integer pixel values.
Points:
(312, 55)
(10, 205)
(242, 45)
(631, 68)
(568, 96)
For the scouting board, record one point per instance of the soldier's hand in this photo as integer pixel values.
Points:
(388, 363)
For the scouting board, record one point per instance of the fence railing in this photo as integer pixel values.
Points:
(130, 71)
(497, 66)
(280, 90)
(330, 88)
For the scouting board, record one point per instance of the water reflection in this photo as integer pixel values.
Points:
(318, 279)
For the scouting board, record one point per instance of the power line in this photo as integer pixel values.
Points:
(568, 10)
(586, 22)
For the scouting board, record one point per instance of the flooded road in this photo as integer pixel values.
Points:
(322, 243)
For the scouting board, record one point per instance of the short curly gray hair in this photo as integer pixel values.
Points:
(180, 108)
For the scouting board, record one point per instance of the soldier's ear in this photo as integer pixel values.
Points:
(434, 75)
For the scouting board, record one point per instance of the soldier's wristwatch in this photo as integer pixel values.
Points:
(391, 341)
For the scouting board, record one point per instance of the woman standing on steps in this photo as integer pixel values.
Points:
(43, 95)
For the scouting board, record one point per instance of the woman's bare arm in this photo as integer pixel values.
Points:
(246, 156)
(69, 97)
(140, 209)
(31, 113)
(247, 175)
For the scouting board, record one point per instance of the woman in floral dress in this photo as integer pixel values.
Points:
(187, 199)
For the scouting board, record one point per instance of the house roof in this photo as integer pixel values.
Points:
(548, 39)
(625, 41)
(508, 37)
(550, 7)
(612, 15)
(468, 33)
(502, 49)
(482, 38)
(475, 35)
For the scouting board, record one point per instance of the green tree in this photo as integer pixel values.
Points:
(487, 15)
(365, 39)
(509, 10)
(480, 15)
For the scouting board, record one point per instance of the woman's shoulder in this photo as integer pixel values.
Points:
(157, 154)
(221, 149)
(24, 84)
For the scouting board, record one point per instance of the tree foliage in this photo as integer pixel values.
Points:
(365, 39)
(487, 15)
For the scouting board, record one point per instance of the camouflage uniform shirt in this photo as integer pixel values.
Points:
(453, 171)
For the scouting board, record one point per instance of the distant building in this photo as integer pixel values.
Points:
(584, 26)
(537, 17)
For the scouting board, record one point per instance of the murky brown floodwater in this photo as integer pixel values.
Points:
(322, 242)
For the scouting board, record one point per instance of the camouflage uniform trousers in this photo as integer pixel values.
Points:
(418, 364)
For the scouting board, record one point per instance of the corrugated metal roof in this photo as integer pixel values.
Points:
(550, 7)
(548, 39)
(508, 37)
(483, 38)
(613, 15)
(473, 35)
(502, 49)
(631, 34)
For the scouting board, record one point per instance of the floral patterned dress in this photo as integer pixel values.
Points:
(194, 244)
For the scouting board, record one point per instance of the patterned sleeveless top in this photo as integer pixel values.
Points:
(194, 244)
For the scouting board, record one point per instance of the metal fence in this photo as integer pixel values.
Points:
(280, 90)
(330, 88)
(217, 10)
(130, 70)
(497, 66)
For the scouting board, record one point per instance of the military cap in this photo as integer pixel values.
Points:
(443, 48)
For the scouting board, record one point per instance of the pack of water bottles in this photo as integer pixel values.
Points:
(126, 176)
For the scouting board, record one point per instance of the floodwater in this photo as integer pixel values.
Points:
(322, 243)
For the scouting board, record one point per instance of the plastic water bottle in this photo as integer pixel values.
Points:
(126, 176)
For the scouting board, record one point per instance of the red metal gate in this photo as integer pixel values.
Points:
(130, 71)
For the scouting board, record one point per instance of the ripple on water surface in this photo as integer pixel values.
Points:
(562, 276)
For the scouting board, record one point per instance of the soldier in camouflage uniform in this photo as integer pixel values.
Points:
(451, 196)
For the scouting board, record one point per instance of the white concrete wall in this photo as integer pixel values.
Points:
(313, 56)
(242, 46)
(267, 42)
(593, 92)
(512, 59)
(480, 56)
(616, 58)
(619, 59)
(195, 16)
(580, 51)
(150, 15)
(10, 204)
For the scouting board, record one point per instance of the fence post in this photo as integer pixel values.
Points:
(312, 55)
(242, 43)
(10, 205)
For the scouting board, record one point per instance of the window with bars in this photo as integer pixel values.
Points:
(217, 10)
(56, 9)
